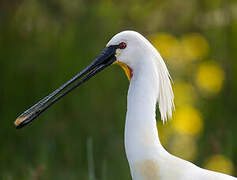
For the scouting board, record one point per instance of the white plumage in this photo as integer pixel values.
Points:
(150, 85)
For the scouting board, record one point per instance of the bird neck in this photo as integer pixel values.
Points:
(141, 135)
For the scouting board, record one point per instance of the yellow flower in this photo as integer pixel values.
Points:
(167, 45)
(194, 47)
(187, 120)
(219, 163)
(191, 47)
(183, 146)
(209, 77)
(184, 94)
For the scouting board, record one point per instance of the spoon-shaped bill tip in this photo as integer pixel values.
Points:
(18, 121)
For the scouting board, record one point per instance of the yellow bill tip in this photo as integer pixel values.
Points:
(19, 120)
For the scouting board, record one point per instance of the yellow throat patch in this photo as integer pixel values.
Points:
(126, 68)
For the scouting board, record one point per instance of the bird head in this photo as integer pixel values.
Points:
(131, 49)
(125, 49)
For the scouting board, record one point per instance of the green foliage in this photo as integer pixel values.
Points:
(44, 43)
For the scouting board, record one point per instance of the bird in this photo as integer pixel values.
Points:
(150, 87)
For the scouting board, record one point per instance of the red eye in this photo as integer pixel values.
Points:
(122, 45)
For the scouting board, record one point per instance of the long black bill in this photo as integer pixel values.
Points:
(106, 58)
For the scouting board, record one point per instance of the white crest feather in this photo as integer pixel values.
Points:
(165, 95)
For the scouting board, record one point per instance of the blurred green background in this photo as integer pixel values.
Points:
(43, 43)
